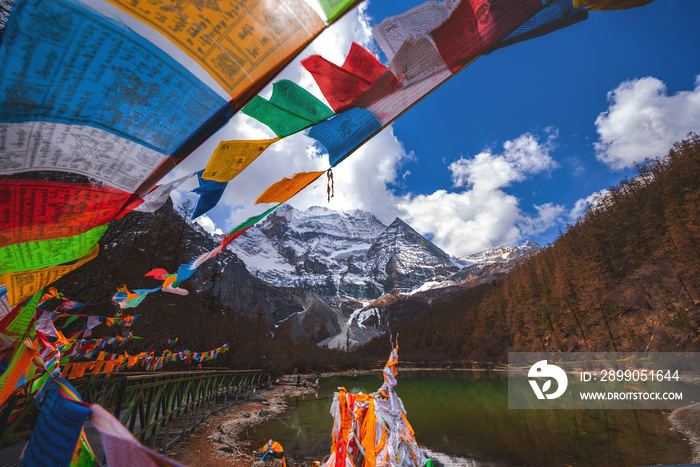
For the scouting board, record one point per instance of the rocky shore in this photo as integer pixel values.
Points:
(215, 442)
(687, 421)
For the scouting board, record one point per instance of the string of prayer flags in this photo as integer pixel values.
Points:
(159, 195)
(556, 14)
(474, 26)
(600, 5)
(334, 8)
(56, 433)
(340, 85)
(290, 109)
(131, 88)
(343, 133)
(232, 157)
(21, 285)
(210, 192)
(32, 210)
(239, 43)
(283, 190)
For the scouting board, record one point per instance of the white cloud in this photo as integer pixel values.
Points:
(483, 215)
(579, 208)
(208, 225)
(643, 121)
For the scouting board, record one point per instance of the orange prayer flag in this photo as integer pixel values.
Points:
(98, 368)
(283, 190)
(21, 359)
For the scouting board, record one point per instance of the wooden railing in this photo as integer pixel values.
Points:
(158, 408)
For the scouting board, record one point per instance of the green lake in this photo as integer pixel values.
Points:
(461, 418)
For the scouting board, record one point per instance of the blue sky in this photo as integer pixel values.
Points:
(443, 166)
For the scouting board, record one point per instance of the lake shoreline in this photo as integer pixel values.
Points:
(686, 420)
(216, 442)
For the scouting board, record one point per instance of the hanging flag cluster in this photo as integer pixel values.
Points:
(372, 429)
(107, 362)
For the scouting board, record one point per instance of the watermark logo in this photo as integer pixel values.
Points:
(542, 369)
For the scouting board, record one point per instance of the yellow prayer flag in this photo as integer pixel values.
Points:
(232, 157)
(242, 44)
(281, 191)
(21, 285)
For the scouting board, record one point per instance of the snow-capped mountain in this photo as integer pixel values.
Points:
(308, 249)
(398, 261)
(353, 276)
(501, 254)
(341, 253)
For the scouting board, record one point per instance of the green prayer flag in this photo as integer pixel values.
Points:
(252, 220)
(290, 109)
(70, 320)
(20, 324)
(334, 8)
(44, 253)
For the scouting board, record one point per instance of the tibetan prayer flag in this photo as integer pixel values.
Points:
(416, 61)
(335, 8)
(599, 5)
(251, 221)
(19, 362)
(290, 109)
(283, 190)
(474, 26)
(210, 193)
(4, 306)
(38, 210)
(80, 149)
(340, 85)
(239, 43)
(159, 195)
(45, 253)
(88, 69)
(157, 273)
(555, 15)
(21, 285)
(21, 322)
(232, 157)
(415, 23)
(245, 225)
(344, 132)
(55, 435)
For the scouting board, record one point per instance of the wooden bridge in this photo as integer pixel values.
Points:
(158, 408)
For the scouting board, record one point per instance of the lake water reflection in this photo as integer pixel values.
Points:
(462, 418)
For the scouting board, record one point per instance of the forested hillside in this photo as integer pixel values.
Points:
(625, 277)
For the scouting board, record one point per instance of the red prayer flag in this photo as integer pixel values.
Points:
(38, 210)
(340, 85)
(476, 25)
